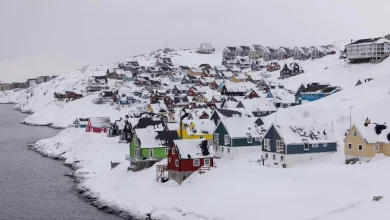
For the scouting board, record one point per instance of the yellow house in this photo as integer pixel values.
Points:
(239, 78)
(158, 108)
(196, 129)
(364, 141)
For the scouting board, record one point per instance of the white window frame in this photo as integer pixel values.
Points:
(376, 146)
(226, 139)
(216, 137)
(355, 133)
(273, 156)
(102, 129)
(196, 165)
(136, 152)
(207, 161)
(325, 144)
(266, 155)
(315, 145)
(267, 144)
(228, 150)
(249, 138)
(167, 150)
(279, 146)
(173, 150)
(177, 163)
(359, 147)
(169, 159)
(135, 140)
(257, 139)
(222, 149)
(349, 146)
(304, 146)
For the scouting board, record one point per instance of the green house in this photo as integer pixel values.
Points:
(148, 146)
(235, 136)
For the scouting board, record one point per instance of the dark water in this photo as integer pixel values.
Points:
(32, 186)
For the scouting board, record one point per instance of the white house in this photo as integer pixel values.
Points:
(97, 83)
(371, 49)
(206, 48)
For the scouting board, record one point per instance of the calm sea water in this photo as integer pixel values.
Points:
(32, 186)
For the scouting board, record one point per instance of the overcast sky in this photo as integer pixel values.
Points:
(40, 37)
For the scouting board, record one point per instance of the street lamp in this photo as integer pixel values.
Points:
(183, 115)
(350, 116)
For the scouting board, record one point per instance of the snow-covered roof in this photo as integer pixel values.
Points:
(258, 104)
(193, 148)
(100, 122)
(369, 132)
(227, 74)
(173, 126)
(298, 133)
(149, 138)
(239, 87)
(157, 107)
(199, 126)
(240, 127)
(281, 95)
(207, 46)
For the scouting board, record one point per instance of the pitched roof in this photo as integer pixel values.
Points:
(240, 127)
(258, 104)
(193, 149)
(100, 122)
(320, 88)
(374, 133)
(312, 133)
(366, 40)
(199, 126)
(155, 139)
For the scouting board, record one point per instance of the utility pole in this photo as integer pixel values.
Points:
(350, 117)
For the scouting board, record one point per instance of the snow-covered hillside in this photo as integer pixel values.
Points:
(40, 99)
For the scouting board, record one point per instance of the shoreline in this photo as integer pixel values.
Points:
(83, 193)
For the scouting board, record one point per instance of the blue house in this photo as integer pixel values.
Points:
(286, 145)
(316, 91)
(126, 100)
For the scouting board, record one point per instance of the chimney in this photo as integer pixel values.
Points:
(367, 122)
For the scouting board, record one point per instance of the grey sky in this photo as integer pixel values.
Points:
(41, 37)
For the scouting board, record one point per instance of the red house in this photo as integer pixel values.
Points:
(188, 156)
(252, 94)
(68, 96)
(98, 125)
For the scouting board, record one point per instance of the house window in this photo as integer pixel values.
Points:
(249, 138)
(222, 149)
(266, 155)
(315, 145)
(216, 137)
(227, 139)
(305, 146)
(279, 146)
(151, 153)
(325, 144)
(267, 144)
(274, 157)
(166, 150)
(349, 146)
(135, 140)
(257, 139)
(281, 158)
(196, 162)
(136, 152)
(173, 150)
(354, 133)
(102, 129)
(258, 111)
(177, 163)
(228, 150)
(360, 147)
(207, 162)
(376, 147)
(169, 160)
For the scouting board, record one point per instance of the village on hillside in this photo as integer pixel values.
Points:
(192, 116)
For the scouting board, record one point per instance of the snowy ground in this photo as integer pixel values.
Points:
(236, 189)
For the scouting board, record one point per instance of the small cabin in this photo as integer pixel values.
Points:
(98, 124)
